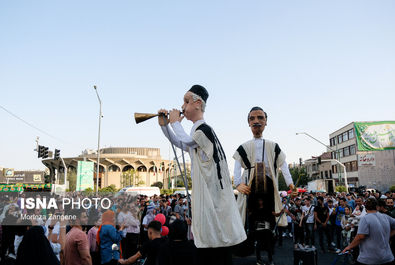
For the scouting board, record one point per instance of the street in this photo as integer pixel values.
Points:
(284, 256)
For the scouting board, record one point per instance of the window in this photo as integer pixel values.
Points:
(340, 138)
(326, 174)
(332, 142)
(345, 136)
(322, 175)
(348, 166)
(333, 155)
(351, 134)
(346, 151)
(334, 169)
(330, 173)
(340, 153)
(352, 149)
(354, 166)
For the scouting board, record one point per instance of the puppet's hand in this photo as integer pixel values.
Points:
(243, 188)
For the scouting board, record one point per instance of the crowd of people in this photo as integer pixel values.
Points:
(333, 218)
(157, 229)
(97, 235)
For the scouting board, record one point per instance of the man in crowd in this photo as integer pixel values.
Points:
(374, 232)
(150, 249)
(76, 250)
(321, 216)
(308, 221)
(296, 211)
(340, 212)
(390, 205)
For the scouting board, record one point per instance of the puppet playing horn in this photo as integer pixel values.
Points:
(140, 117)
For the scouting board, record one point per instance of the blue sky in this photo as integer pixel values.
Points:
(314, 66)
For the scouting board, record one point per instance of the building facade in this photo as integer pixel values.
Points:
(116, 162)
(316, 170)
(372, 168)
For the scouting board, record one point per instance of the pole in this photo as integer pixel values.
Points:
(344, 168)
(65, 171)
(337, 161)
(98, 144)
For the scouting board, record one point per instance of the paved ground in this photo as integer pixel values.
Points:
(284, 256)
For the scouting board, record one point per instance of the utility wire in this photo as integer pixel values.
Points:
(31, 125)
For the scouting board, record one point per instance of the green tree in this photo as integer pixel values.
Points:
(131, 178)
(72, 179)
(341, 189)
(297, 172)
(180, 181)
(109, 189)
(158, 184)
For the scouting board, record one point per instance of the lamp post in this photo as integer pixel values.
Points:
(98, 143)
(335, 160)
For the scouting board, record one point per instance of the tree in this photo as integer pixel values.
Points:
(341, 189)
(296, 172)
(109, 189)
(72, 179)
(180, 181)
(158, 184)
(131, 178)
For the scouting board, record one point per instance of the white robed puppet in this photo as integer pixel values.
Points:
(261, 160)
(216, 221)
(274, 160)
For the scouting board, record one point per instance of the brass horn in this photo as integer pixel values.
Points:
(140, 117)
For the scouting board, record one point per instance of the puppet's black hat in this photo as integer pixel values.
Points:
(200, 91)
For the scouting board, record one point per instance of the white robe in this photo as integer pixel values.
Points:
(216, 220)
(249, 148)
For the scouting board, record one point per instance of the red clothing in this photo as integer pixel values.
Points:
(76, 241)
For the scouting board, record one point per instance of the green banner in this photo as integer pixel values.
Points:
(85, 175)
(375, 136)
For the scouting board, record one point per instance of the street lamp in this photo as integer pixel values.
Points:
(335, 160)
(98, 143)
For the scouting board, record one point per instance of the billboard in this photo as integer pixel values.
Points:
(375, 136)
(85, 175)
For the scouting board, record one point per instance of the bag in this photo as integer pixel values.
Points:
(306, 216)
(306, 256)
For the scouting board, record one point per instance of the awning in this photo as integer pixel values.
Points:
(18, 187)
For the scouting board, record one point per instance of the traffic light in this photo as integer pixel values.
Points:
(57, 154)
(45, 152)
(40, 151)
(319, 160)
(47, 179)
(300, 161)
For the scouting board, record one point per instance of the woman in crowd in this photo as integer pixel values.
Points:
(107, 236)
(36, 249)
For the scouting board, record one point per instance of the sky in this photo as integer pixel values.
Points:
(313, 66)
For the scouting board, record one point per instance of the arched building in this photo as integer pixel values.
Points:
(148, 165)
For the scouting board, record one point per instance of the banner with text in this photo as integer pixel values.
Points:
(375, 136)
(366, 160)
(85, 175)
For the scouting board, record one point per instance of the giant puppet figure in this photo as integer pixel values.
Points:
(259, 201)
(216, 222)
